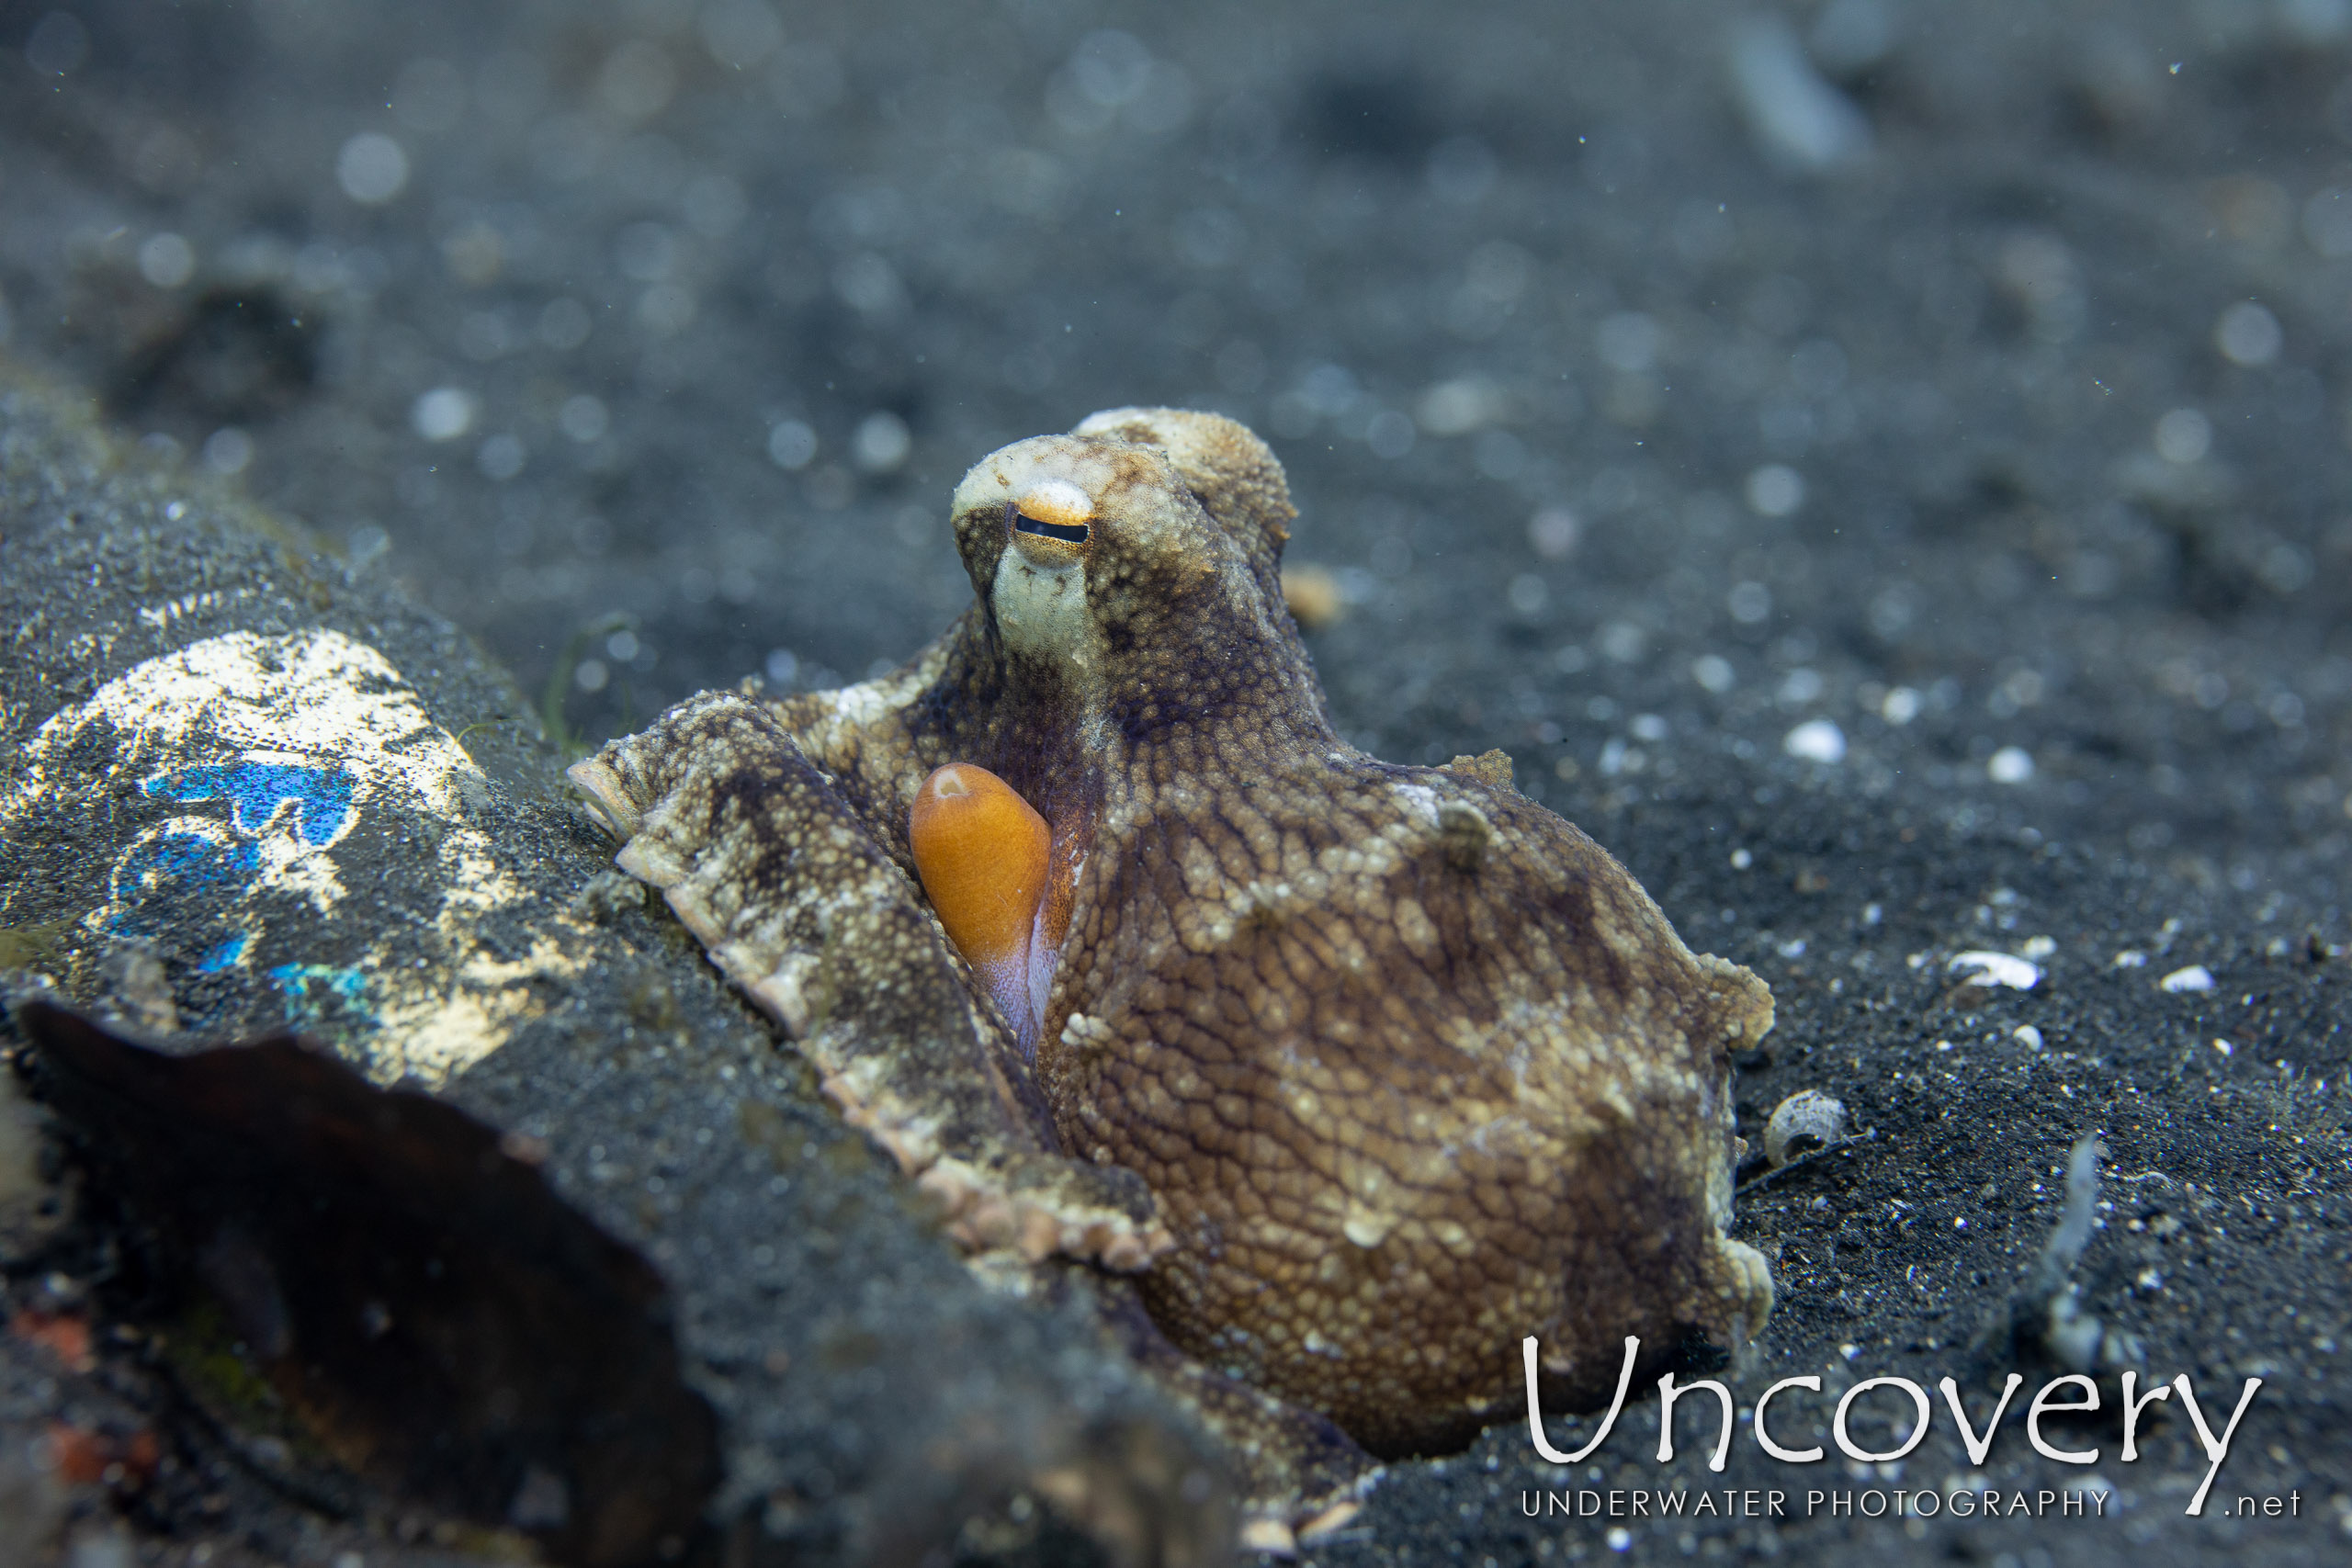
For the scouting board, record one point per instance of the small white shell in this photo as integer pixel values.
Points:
(1807, 1116)
(1996, 969)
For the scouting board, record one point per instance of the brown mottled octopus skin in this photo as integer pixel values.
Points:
(1409, 1066)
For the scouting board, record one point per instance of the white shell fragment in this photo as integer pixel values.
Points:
(2196, 978)
(2010, 765)
(1816, 741)
(1807, 1119)
(1800, 120)
(1996, 969)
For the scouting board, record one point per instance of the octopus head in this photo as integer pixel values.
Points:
(1137, 528)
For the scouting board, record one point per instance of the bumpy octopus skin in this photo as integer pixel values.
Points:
(1408, 1067)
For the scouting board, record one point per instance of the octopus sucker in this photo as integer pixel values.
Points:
(1269, 1002)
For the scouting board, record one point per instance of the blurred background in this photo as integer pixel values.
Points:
(1935, 401)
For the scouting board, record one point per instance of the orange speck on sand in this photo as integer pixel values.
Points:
(62, 1334)
(84, 1458)
(80, 1456)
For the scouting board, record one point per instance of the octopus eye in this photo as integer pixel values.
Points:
(1055, 509)
(1069, 533)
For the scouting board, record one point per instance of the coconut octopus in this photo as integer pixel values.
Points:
(1359, 1072)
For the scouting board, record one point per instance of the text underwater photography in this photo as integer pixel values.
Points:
(1958, 1501)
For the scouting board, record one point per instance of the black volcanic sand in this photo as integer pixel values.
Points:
(2009, 450)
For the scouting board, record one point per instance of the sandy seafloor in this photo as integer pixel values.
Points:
(1882, 476)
